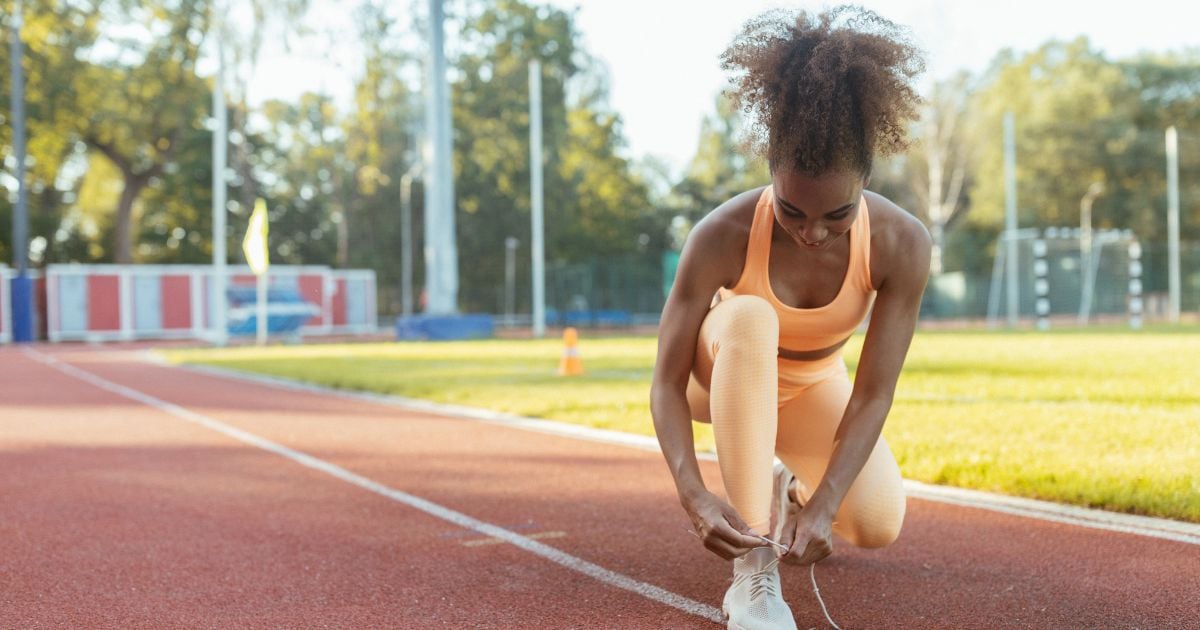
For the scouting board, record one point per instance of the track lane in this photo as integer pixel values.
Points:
(953, 566)
(119, 515)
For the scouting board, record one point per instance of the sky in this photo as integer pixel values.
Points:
(663, 55)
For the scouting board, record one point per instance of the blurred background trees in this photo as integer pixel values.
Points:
(120, 144)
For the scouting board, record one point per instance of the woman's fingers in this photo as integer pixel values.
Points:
(816, 550)
(721, 536)
(725, 541)
(741, 531)
(788, 535)
(721, 529)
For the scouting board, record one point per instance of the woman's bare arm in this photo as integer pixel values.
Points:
(708, 262)
(893, 321)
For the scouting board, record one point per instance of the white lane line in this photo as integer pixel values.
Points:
(1161, 528)
(482, 542)
(595, 571)
(1072, 515)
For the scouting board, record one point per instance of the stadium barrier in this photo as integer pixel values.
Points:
(130, 302)
(445, 327)
(7, 274)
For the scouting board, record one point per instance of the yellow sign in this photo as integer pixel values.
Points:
(255, 244)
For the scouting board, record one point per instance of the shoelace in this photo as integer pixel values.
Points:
(762, 583)
(812, 568)
(812, 574)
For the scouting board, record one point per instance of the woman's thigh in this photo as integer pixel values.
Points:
(873, 509)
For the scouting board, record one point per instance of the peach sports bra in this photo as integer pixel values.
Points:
(807, 329)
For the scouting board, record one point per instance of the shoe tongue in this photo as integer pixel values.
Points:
(758, 558)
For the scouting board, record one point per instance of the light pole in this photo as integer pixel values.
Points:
(1010, 216)
(22, 293)
(510, 277)
(537, 219)
(1086, 264)
(406, 238)
(441, 253)
(1173, 278)
(220, 147)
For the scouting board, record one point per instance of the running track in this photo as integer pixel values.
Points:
(136, 495)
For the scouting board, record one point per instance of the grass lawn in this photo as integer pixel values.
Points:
(1107, 419)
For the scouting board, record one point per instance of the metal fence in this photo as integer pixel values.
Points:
(637, 285)
(967, 295)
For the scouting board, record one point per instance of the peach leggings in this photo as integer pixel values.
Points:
(761, 406)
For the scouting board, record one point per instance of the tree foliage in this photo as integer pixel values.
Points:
(1082, 118)
(120, 147)
(593, 205)
(54, 35)
(144, 99)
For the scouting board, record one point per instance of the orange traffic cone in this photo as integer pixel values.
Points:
(571, 364)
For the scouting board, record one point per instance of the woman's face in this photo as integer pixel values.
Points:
(816, 211)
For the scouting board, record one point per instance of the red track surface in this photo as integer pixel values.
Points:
(114, 513)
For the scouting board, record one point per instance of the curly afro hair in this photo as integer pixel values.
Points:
(825, 92)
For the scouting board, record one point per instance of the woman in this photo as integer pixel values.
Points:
(795, 267)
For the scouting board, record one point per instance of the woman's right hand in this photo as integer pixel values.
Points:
(719, 526)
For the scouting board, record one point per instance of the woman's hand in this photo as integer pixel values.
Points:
(719, 526)
(808, 535)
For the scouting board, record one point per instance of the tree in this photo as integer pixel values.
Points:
(1066, 98)
(55, 36)
(1081, 119)
(175, 222)
(380, 147)
(945, 152)
(142, 100)
(720, 168)
(301, 144)
(1163, 91)
(243, 38)
(592, 200)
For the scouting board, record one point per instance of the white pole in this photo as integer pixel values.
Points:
(1010, 214)
(510, 278)
(220, 335)
(21, 294)
(535, 169)
(993, 308)
(406, 239)
(1085, 251)
(260, 317)
(20, 241)
(1173, 222)
(441, 256)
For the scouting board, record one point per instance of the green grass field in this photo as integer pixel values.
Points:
(1106, 419)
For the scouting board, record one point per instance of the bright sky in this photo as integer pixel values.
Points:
(662, 55)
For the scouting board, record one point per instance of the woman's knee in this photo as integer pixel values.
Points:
(747, 318)
(876, 527)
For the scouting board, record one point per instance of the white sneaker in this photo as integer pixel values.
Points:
(754, 601)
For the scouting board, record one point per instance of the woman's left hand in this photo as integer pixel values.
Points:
(808, 535)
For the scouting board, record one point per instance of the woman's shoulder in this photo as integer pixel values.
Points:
(890, 219)
(729, 223)
(896, 237)
(716, 248)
